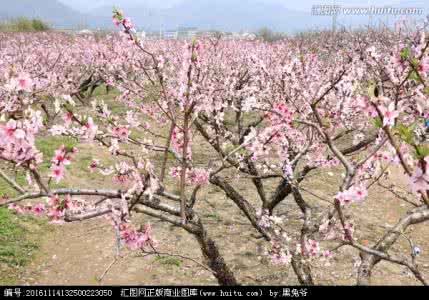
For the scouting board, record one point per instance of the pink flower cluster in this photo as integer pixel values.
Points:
(55, 210)
(37, 209)
(356, 193)
(123, 173)
(265, 220)
(22, 82)
(312, 248)
(177, 142)
(94, 165)
(420, 180)
(134, 239)
(17, 142)
(389, 113)
(364, 105)
(128, 26)
(62, 158)
(194, 176)
(12, 130)
(90, 129)
(121, 133)
(281, 115)
(278, 255)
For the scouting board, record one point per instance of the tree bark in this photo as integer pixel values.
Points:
(302, 271)
(215, 260)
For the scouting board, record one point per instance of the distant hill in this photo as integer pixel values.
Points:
(227, 15)
(52, 11)
(86, 6)
(235, 15)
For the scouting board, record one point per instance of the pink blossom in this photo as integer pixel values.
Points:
(356, 193)
(53, 200)
(9, 128)
(61, 157)
(22, 82)
(93, 165)
(135, 239)
(424, 66)
(39, 209)
(121, 133)
(90, 128)
(327, 254)
(194, 176)
(116, 21)
(281, 258)
(279, 255)
(389, 114)
(127, 23)
(312, 248)
(419, 181)
(57, 172)
(18, 209)
(68, 118)
(364, 104)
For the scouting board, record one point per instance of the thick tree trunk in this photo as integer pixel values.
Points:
(215, 260)
(302, 271)
(365, 268)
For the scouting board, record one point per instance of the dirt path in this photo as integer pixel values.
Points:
(79, 253)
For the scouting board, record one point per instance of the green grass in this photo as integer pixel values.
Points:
(16, 244)
(24, 25)
(101, 91)
(48, 145)
(6, 189)
(116, 107)
(213, 216)
(166, 260)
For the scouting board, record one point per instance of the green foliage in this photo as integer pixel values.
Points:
(405, 53)
(213, 216)
(414, 76)
(378, 123)
(24, 25)
(422, 151)
(166, 260)
(117, 13)
(406, 133)
(268, 35)
(39, 25)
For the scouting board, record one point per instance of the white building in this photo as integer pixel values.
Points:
(84, 31)
(249, 36)
(170, 35)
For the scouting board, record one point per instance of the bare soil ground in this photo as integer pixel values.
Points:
(80, 253)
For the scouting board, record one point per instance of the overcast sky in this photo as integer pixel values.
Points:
(302, 5)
